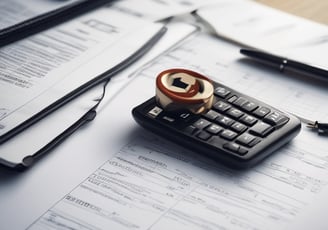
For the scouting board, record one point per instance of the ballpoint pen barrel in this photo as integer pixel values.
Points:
(284, 64)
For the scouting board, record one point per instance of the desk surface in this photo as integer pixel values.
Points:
(315, 10)
(27, 191)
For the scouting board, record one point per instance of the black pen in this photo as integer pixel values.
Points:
(283, 64)
(286, 64)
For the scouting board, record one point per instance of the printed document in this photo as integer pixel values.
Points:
(43, 68)
(16, 11)
(44, 131)
(159, 9)
(154, 184)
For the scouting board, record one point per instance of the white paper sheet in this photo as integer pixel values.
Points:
(153, 184)
(159, 9)
(274, 31)
(29, 141)
(147, 186)
(314, 217)
(15, 11)
(41, 69)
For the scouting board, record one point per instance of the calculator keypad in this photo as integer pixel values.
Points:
(235, 125)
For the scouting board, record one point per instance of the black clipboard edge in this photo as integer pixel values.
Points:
(29, 160)
(106, 76)
(47, 20)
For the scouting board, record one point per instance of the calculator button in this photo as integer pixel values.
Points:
(168, 119)
(238, 127)
(201, 123)
(214, 129)
(232, 147)
(240, 102)
(228, 134)
(203, 135)
(216, 141)
(154, 112)
(190, 129)
(249, 106)
(254, 142)
(261, 129)
(235, 113)
(224, 121)
(276, 119)
(245, 139)
(242, 151)
(184, 116)
(261, 112)
(211, 115)
(248, 120)
(232, 99)
(221, 106)
(221, 92)
(235, 148)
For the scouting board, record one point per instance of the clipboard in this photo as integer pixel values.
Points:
(22, 162)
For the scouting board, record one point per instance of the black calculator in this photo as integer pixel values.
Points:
(237, 130)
